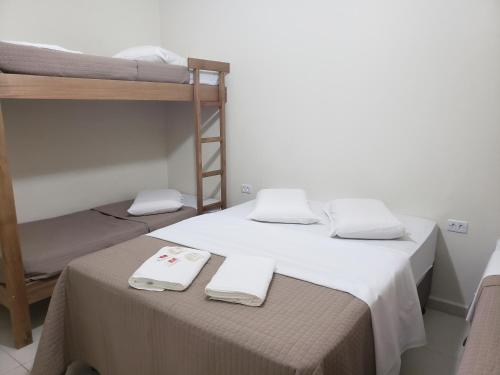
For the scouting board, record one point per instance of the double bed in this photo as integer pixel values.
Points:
(302, 328)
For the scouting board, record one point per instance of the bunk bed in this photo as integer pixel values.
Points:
(34, 73)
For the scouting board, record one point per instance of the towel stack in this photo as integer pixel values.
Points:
(173, 268)
(242, 279)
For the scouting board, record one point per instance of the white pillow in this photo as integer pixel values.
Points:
(283, 206)
(150, 202)
(363, 219)
(40, 45)
(151, 54)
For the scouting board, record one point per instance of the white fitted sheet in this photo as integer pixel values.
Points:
(419, 242)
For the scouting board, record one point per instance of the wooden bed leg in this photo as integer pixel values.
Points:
(197, 134)
(222, 124)
(10, 248)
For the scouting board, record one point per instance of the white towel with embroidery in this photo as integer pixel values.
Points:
(172, 267)
(242, 279)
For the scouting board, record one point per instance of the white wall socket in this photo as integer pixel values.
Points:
(458, 226)
(246, 189)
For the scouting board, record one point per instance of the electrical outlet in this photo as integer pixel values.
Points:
(246, 189)
(458, 226)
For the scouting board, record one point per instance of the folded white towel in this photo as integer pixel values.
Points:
(242, 279)
(173, 267)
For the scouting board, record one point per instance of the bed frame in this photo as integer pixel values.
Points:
(16, 293)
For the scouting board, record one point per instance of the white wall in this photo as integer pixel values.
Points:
(91, 26)
(67, 156)
(394, 99)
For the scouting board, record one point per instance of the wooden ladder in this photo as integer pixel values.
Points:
(222, 68)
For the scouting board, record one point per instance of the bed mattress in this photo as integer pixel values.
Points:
(49, 245)
(20, 59)
(302, 328)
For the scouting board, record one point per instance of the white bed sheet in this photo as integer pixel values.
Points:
(419, 242)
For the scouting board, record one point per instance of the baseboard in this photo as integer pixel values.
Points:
(447, 306)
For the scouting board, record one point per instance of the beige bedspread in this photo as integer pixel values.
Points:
(96, 318)
(481, 356)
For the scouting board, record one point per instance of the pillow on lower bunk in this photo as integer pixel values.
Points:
(283, 206)
(363, 219)
(149, 202)
(151, 54)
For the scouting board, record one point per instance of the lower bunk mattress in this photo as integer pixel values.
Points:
(21, 59)
(302, 329)
(49, 245)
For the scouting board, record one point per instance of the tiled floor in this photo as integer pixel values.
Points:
(445, 335)
(19, 362)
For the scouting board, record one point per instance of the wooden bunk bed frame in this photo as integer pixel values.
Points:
(16, 293)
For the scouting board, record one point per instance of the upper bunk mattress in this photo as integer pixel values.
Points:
(20, 59)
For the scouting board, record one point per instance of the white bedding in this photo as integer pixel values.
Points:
(419, 242)
(379, 275)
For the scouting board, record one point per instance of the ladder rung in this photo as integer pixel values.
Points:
(211, 139)
(210, 104)
(212, 173)
(211, 206)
